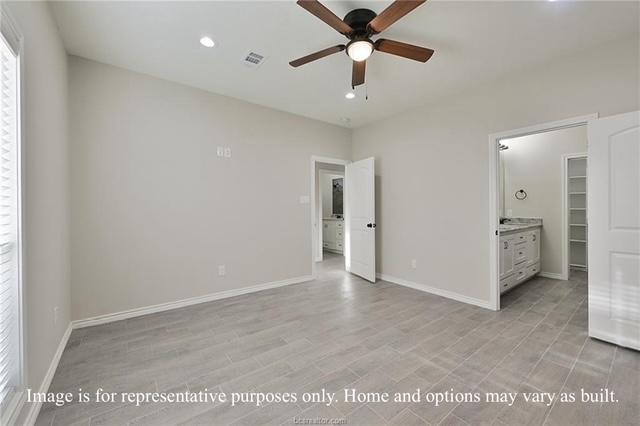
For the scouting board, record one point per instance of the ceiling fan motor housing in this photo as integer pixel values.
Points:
(358, 20)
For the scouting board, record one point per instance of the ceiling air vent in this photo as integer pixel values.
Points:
(253, 59)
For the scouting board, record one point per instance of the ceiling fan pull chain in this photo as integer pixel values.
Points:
(366, 92)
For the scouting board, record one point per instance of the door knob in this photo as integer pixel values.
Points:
(371, 225)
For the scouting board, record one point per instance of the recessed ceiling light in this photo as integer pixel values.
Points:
(350, 95)
(207, 41)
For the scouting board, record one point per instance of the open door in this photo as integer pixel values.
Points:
(360, 219)
(614, 229)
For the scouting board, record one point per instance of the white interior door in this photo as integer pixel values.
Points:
(614, 229)
(360, 219)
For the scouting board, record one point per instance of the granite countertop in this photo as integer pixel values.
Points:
(508, 228)
(333, 218)
(519, 224)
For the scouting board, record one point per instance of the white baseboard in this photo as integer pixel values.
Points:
(551, 275)
(34, 410)
(145, 310)
(437, 291)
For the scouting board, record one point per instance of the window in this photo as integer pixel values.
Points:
(10, 282)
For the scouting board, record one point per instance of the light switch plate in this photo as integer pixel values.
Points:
(414, 263)
(222, 270)
(227, 152)
(304, 199)
(220, 151)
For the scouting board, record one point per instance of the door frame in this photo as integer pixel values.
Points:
(316, 229)
(494, 191)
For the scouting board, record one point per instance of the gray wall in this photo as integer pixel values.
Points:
(432, 162)
(45, 186)
(155, 211)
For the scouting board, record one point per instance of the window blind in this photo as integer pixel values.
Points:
(10, 363)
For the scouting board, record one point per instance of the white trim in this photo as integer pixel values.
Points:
(316, 254)
(552, 275)
(46, 382)
(11, 33)
(437, 291)
(494, 223)
(494, 200)
(117, 316)
(564, 170)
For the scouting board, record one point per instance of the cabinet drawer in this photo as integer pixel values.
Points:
(325, 244)
(340, 225)
(533, 269)
(520, 275)
(507, 283)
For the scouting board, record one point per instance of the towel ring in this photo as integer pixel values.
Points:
(521, 195)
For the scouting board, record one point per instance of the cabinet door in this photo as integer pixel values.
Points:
(330, 237)
(533, 246)
(506, 256)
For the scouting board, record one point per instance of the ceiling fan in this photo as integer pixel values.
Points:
(358, 26)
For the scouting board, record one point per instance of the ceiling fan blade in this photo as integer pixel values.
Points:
(357, 75)
(417, 53)
(317, 55)
(391, 14)
(316, 8)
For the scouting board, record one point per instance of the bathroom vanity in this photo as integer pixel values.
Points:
(519, 251)
(333, 234)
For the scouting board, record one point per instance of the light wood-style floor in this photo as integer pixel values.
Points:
(340, 331)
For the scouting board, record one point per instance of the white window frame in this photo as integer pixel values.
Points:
(12, 36)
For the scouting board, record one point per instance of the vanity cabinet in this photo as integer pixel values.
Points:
(507, 258)
(333, 235)
(519, 257)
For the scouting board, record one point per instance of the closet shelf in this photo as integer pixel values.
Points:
(577, 265)
(577, 177)
(578, 241)
(577, 208)
(578, 224)
(577, 193)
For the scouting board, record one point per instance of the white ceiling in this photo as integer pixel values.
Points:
(474, 41)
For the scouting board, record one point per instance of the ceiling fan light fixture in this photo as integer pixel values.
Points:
(360, 50)
(350, 95)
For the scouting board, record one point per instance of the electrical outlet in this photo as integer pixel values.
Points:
(56, 314)
(414, 263)
(222, 270)
(220, 151)
(227, 152)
